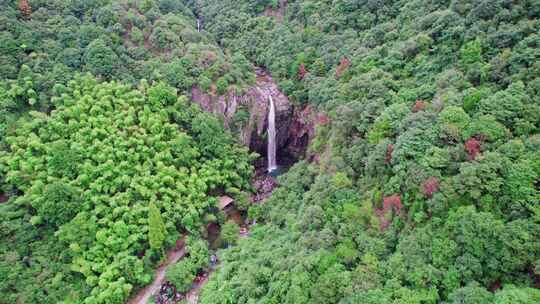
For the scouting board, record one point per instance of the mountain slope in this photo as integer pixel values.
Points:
(105, 171)
(426, 188)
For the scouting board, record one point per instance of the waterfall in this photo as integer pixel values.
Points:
(272, 164)
(198, 25)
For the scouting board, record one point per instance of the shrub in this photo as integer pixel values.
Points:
(182, 274)
(229, 233)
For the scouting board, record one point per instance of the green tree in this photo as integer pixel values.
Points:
(198, 252)
(182, 274)
(455, 120)
(156, 227)
(59, 203)
(471, 52)
(513, 294)
(473, 293)
(229, 233)
(99, 59)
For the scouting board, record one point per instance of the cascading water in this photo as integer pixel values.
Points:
(272, 162)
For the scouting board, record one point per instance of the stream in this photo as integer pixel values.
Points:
(272, 158)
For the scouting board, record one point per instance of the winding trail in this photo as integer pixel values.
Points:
(192, 296)
(173, 256)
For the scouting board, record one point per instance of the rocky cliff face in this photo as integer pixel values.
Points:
(295, 127)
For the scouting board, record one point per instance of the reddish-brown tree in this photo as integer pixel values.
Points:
(392, 202)
(302, 71)
(430, 186)
(322, 119)
(25, 8)
(418, 106)
(384, 223)
(344, 64)
(472, 146)
(389, 151)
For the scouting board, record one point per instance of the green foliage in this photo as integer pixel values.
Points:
(512, 294)
(471, 52)
(198, 253)
(156, 227)
(222, 85)
(472, 98)
(229, 233)
(181, 274)
(121, 40)
(99, 59)
(387, 123)
(472, 293)
(58, 204)
(454, 117)
(131, 175)
(410, 87)
(505, 105)
(137, 35)
(485, 126)
(89, 164)
(381, 129)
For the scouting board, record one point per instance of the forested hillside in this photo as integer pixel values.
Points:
(104, 172)
(420, 182)
(43, 43)
(426, 185)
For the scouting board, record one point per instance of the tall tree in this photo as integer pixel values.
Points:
(100, 59)
(156, 229)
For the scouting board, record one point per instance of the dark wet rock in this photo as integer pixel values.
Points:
(263, 184)
(303, 130)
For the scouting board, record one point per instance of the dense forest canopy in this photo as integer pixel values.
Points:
(432, 153)
(106, 171)
(423, 187)
(50, 41)
(112, 174)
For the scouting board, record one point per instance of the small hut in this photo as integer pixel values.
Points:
(226, 204)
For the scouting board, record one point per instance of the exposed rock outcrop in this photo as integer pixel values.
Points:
(303, 128)
(295, 127)
(255, 101)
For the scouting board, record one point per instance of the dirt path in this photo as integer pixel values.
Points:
(192, 297)
(173, 256)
